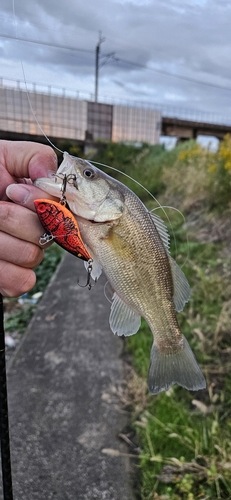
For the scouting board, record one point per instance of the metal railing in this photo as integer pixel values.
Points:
(191, 114)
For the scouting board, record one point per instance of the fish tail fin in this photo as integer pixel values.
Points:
(179, 368)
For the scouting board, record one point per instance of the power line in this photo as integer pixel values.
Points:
(125, 61)
(166, 73)
(66, 47)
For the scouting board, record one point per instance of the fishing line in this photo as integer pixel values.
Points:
(183, 217)
(26, 87)
(171, 208)
(94, 162)
(160, 207)
(134, 180)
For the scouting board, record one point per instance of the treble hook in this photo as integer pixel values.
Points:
(63, 200)
(66, 179)
(89, 270)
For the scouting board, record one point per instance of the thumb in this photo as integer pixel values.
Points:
(25, 194)
(27, 159)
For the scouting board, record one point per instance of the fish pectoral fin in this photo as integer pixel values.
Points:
(178, 367)
(182, 290)
(121, 246)
(123, 320)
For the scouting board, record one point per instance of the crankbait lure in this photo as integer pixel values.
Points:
(60, 225)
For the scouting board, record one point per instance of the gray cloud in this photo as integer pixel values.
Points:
(190, 38)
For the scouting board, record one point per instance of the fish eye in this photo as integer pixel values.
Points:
(89, 173)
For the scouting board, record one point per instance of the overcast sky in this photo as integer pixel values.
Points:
(160, 40)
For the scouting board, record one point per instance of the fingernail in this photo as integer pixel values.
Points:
(18, 193)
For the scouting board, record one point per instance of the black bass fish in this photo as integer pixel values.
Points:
(131, 245)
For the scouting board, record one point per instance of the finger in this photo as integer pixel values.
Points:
(20, 222)
(27, 159)
(19, 252)
(15, 280)
(25, 194)
(6, 179)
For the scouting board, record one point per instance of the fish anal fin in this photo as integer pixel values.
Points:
(182, 290)
(178, 367)
(123, 320)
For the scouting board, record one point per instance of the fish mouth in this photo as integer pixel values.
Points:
(50, 185)
(70, 179)
(58, 182)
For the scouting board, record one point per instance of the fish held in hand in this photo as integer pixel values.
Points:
(131, 245)
(60, 223)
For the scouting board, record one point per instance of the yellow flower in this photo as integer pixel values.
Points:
(225, 149)
(227, 165)
(183, 155)
(186, 155)
(212, 167)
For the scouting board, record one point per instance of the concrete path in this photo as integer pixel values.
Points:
(61, 407)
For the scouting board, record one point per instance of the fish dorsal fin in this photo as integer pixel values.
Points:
(123, 320)
(162, 230)
(181, 286)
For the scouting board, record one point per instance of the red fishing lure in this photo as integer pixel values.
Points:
(60, 223)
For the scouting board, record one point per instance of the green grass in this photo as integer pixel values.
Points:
(19, 318)
(185, 454)
(185, 437)
(45, 270)
(187, 445)
(142, 164)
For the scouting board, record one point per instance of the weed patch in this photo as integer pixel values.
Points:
(17, 316)
(184, 436)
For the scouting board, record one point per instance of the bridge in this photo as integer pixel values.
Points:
(27, 113)
(189, 129)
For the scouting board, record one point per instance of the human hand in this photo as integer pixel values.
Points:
(20, 229)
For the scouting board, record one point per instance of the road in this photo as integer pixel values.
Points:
(62, 408)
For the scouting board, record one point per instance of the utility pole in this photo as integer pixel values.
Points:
(97, 51)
